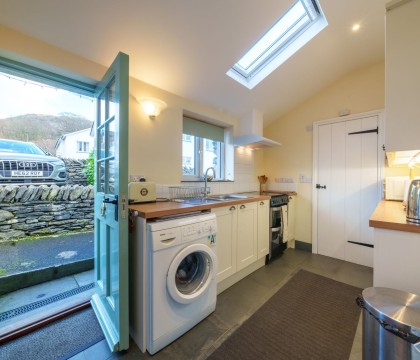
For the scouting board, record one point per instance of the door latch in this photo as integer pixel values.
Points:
(318, 186)
(103, 209)
(113, 202)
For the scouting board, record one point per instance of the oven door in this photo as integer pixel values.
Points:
(276, 238)
(277, 246)
(276, 217)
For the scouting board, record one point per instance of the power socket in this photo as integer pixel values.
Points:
(283, 180)
(136, 178)
(305, 179)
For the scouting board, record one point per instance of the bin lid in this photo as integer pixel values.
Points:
(398, 308)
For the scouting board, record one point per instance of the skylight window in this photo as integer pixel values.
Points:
(295, 28)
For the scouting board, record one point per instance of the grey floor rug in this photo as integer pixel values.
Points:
(59, 340)
(310, 317)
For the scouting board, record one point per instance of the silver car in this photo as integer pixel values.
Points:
(24, 162)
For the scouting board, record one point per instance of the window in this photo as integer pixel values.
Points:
(82, 146)
(209, 145)
(295, 28)
(202, 147)
(186, 138)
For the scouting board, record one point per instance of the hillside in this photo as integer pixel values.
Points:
(43, 130)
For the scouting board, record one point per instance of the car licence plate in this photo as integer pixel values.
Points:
(26, 173)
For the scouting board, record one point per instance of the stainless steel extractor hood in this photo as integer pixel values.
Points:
(250, 133)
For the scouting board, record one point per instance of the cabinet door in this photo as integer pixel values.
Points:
(247, 235)
(291, 211)
(263, 228)
(226, 241)
(402, 91)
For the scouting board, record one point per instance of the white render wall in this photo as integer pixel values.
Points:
(68, 147)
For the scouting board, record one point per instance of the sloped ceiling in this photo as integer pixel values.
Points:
(186, 47)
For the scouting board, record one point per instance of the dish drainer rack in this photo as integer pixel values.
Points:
(186, 192)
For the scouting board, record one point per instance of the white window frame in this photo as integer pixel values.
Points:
(82, 146)
(200, 148)
(226, 156)
(273, 49)
(186, 137)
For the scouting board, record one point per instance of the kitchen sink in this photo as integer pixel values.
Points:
(200, 201)
(215, 198)
(227, 197)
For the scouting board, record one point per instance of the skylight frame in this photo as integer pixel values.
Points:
(284, 46)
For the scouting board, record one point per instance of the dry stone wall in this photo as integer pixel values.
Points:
(75, 171)
(44, 210)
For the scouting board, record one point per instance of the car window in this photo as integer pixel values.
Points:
(22, 148)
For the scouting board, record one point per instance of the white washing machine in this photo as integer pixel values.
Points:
(181, 284)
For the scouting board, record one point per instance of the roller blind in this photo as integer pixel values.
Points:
(204, 130)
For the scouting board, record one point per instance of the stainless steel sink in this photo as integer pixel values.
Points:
(200, 201)
(214, 198)
(227, 197)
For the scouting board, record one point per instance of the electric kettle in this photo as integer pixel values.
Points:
(413, 202)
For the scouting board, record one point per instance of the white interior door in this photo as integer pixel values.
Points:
(331, 192)
(347, 175)
(362, 182)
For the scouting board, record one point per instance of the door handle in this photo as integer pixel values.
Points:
(113, 202)
(109, 201)
(318, 186)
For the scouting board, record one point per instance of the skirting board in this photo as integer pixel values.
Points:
(301, 245)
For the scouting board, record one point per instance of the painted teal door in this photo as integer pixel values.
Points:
(110, 301)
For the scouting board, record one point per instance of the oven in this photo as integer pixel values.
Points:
(278, 225)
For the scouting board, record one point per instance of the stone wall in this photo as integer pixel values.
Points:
(75, 171)
(44, 210)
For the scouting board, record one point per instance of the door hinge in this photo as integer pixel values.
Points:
(365, 131)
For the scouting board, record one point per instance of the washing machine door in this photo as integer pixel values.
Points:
(191, 273)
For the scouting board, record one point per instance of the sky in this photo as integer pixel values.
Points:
(19, 97)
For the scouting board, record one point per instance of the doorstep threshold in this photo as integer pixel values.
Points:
(31, 320)
(7, 315)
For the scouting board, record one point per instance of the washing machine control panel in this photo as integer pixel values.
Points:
(198, 230)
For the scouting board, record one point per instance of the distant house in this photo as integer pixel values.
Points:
(75, 145)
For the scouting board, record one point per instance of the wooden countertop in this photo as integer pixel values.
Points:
(391, 215)
(156, 209)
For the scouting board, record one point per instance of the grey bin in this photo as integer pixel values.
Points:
(391, 324)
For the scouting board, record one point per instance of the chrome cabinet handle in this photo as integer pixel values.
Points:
(242, 207)
(232, 208)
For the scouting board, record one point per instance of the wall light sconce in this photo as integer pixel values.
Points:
(152, 107)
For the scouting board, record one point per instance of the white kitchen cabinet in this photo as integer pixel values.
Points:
(263, 228)
(237, 238)
(402, 76)
(247, 235)
(227, 220)
(291, 216)
(396, 260)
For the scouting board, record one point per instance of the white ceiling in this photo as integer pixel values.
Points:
(186, 47)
